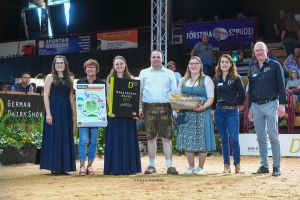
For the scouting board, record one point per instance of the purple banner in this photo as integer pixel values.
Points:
(230, 32)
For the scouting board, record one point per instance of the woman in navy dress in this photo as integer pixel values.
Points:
(122, 156)
(57, 154)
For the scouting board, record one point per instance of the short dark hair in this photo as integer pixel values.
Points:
(23, 73)
(157, 50)
(171, 63)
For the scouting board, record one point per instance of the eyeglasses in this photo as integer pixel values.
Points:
(194, 63)
(91, 67)
(59, 63)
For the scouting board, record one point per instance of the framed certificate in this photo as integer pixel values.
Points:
(124, 97)
(91, 105)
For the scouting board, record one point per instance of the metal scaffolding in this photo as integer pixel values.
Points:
(159, 26)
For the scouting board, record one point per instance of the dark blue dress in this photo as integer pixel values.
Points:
(57, 153)
(122, 155)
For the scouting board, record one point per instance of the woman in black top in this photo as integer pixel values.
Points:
(229, 95)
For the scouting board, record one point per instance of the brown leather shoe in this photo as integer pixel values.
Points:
(237, 168)
(226, 169)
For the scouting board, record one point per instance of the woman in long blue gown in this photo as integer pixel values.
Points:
(122, 156)
(57, 153)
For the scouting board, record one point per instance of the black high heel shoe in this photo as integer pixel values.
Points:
(55, 173)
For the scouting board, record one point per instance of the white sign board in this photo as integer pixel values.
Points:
(20, 48)
(289, 145)
(91, 105)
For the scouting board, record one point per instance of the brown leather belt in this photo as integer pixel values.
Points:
(228, 107)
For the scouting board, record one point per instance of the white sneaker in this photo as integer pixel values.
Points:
(189, 171)
(198, 171)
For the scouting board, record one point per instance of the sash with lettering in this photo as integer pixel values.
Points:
(124, 97)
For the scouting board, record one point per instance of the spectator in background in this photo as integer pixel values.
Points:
(6, 87)
(204, 50)
(172, 66)
(272, 56)
(240, 15)
(292, 61)
(294, 84)
(289, 37)
(24, 85)
(278, 25)
(216, 17)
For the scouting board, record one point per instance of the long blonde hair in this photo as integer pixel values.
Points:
(187, 74)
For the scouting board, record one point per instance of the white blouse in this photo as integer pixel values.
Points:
(208, 82)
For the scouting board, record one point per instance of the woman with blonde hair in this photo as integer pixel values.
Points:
(196, 131)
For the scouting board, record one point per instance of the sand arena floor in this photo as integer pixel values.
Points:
(27, 181)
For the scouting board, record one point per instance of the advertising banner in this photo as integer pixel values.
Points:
(117, 40)
(289, 145)
(221, 33)
(21, 105)
(91, 105)
(64, 45)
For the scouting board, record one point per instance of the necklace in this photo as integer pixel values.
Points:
(194, 79)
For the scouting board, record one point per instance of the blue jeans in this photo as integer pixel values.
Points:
(265, 120)
(86, 134)
(228, 124)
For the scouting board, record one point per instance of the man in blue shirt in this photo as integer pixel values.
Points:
(157, 84)
(204, 51)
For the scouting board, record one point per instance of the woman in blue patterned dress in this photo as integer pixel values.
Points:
(196, 134)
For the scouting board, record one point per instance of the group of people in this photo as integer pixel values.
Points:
(222, 99)
(25, 85)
